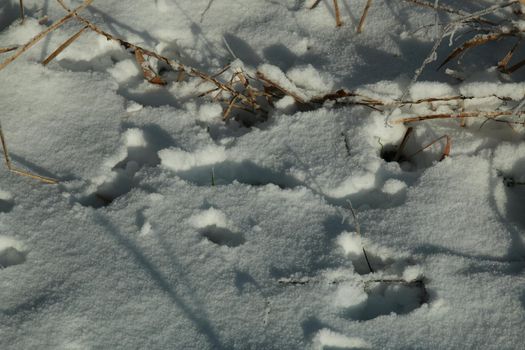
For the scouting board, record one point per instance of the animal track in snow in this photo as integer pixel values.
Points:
(365, 299)
(415, 151)
(6, 202)
(12, 252)
(514, 188)
(380, 297)
(352, 246)
(140, 147)
(399, 288)
(211, 166)
(215, 226)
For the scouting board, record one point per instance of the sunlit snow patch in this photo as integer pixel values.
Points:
(327, 339)
(179, 160)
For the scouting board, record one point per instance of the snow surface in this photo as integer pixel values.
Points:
(172, 229)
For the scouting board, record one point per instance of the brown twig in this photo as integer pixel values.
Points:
(314, 5)
(22, 15)
(63, 46)
(476, 41)
(8, 49)
(502, 65)
(272, 83)
(403, 144)
(228, 110)
(337, 12)
(363, 16)
(446, 149)
(14, 170)
(358, 231)
(338, 22)
(515, 67)
(472, 114)
(177, 66)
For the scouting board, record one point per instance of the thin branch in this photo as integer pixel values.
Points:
(446, 149)
(363, 16)
(272, 83)
(338, 22)
(403, 144)
(206, 10)
(18, 171)
(8, 49)
(503, 64)
(22, 15)
(473, 114)
(314, 5)
(358, 231)
(476, 41)
(63, 46)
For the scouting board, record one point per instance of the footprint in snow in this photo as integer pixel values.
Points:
(373, 298)
(211, 166)
(139, 150)
(6, 202)
(394, 286)
(12, 252)
(213, 225)
(375, 260)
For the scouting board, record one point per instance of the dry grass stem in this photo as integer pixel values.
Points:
(183, 70)
(63, 46)
(228, 110)
(270, 83)
(314, 5)
(403, 144)
(502, 65)
(446, 149)
(337, 12)
(515, 67)
(12, 169)
(476, 41)
(22, 15)
(8, 49)
(472, 114)
(358, 231)
(338, 22)
(363, 16)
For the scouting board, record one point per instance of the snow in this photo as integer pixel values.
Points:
(177, 159)
(171, 228)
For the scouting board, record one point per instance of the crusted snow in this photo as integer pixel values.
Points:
(173, 229)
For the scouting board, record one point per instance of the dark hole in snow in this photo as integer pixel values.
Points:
(390, 296)
(9, 12)
(222, 236)
(11, 256)
(6, 205)
(390, 154)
